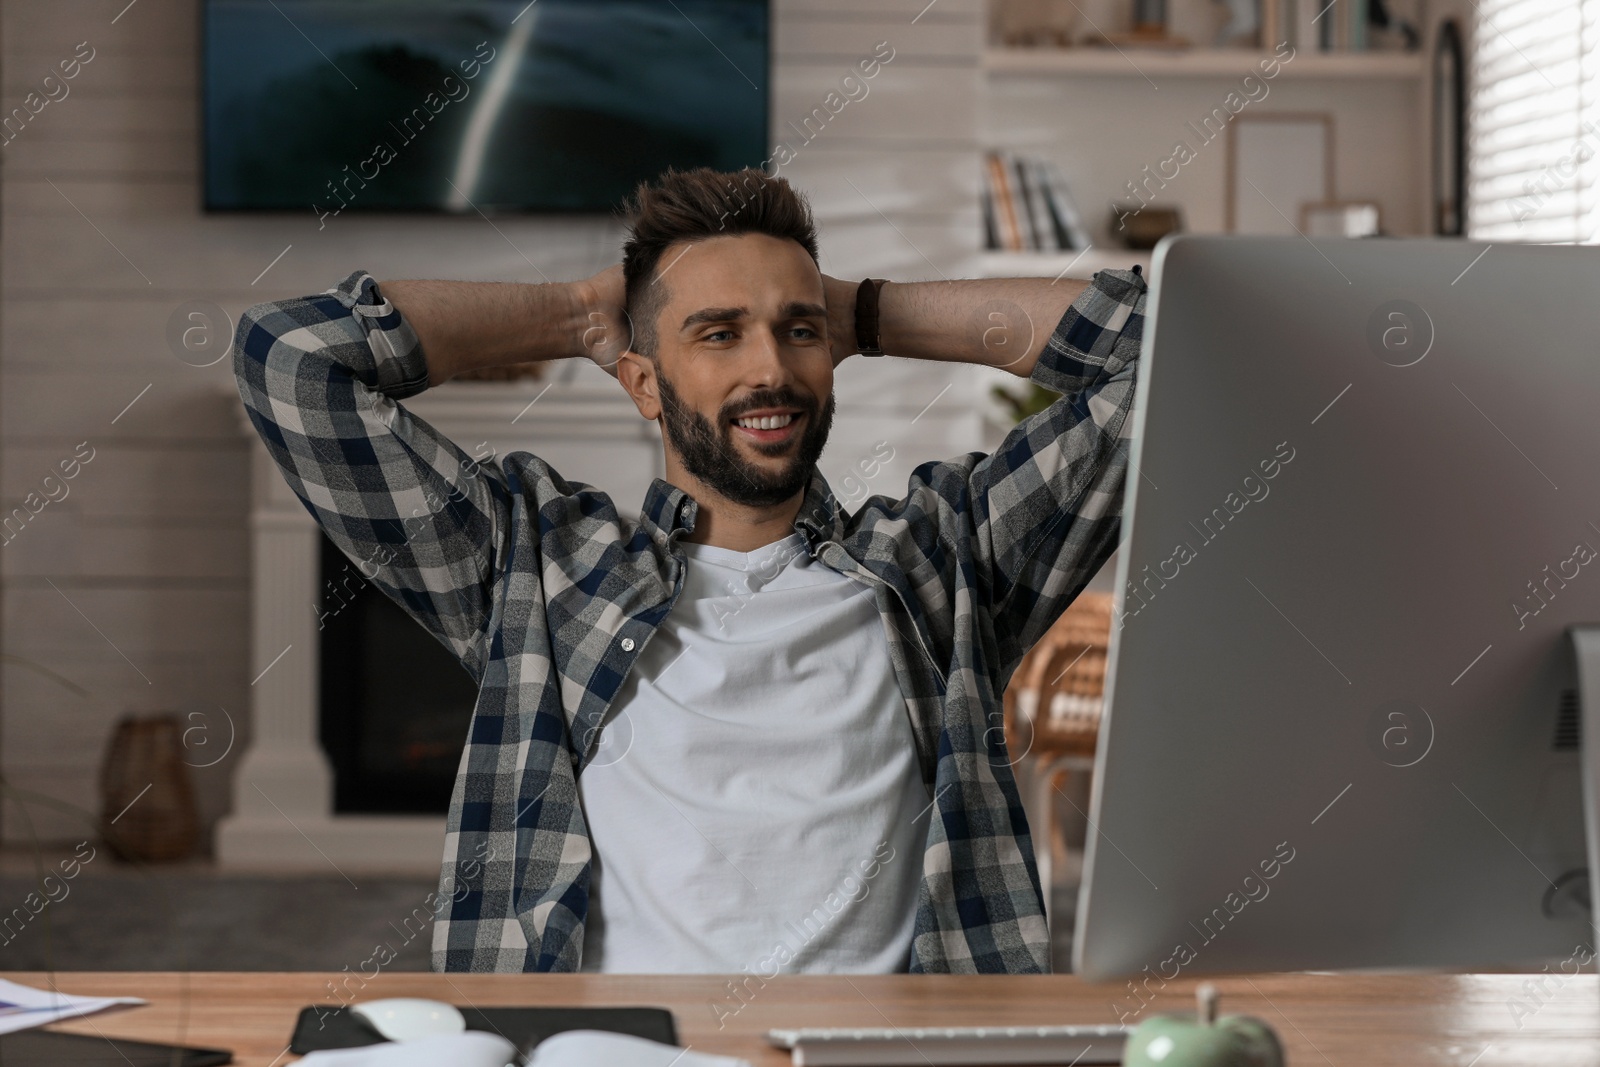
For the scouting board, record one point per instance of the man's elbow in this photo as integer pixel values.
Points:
(252, 340)
(263, 340)
(281, 334)
(250, 346)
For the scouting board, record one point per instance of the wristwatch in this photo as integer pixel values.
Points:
(867, 340)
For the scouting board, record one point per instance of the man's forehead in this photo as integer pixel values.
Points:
(760, 274)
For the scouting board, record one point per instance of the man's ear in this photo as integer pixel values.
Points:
(638, 376)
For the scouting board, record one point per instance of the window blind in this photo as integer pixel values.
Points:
(1533, 141)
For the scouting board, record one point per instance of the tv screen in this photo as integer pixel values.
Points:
(332, 106)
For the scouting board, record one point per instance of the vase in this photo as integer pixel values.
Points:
(148, 810)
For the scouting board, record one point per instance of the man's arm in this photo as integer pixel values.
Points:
(320, 377)
(1043, 511)
(464, 326)
(1053, 491)
(996, 322)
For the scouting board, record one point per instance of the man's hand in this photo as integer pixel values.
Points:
(840, 297)
(608, 333)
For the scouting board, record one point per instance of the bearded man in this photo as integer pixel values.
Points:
(817, 778)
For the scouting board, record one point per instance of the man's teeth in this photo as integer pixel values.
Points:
(765, 422)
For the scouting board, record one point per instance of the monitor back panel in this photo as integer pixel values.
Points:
(1340, 726)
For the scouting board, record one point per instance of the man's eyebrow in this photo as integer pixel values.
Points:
(794, 309)
(716, 314)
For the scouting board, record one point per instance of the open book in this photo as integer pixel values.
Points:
(475, 1048)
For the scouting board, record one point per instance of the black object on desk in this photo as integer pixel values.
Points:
(337, 1027)
(50, 1048)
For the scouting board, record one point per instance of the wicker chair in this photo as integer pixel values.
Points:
(1053, 707)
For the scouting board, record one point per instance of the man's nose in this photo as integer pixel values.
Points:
(764, 364)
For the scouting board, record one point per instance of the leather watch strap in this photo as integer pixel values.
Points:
(867, 339)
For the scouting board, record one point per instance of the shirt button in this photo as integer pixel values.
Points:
(627, 644)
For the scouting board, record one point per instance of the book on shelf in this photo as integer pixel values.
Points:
(1326, 25)
(1049, 227)
(1005, 210)
(991, 224)
(1272, 19)
(1075, 235)
(1027, 207)
(1019, 202)
(1340, 25)
(1062, 237)
(1030, 203)
(1308, 20)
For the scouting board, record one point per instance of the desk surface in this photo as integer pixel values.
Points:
(1323, 1019)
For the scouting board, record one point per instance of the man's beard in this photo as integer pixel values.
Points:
(709, 453)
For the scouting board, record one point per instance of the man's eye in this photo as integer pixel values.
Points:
(805, 331)
(717, 335)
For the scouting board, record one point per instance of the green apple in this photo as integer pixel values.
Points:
(1203, 1040)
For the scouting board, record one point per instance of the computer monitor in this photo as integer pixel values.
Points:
(1341, 722)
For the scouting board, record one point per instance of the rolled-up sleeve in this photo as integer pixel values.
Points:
(321, 377)
(1047, 504)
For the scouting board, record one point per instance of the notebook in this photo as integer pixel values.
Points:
(50, 1048)
(323, 1027)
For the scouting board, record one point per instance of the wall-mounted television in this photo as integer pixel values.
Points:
(463, 105)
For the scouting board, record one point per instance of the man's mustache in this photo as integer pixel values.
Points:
(774, 398)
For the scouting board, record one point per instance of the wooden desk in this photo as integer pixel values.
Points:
(1334, 1020)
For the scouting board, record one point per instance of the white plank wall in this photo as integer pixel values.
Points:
(135, 586)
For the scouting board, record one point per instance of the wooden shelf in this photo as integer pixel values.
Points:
(1051, 264)
(1197, 62)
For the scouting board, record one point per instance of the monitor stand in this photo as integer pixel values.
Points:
(1586, 653)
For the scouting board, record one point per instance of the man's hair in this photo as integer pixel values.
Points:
(694, 205)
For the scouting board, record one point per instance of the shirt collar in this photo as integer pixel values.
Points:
(668, 510)
(819, 517)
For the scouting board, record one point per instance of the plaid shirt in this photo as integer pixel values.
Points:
(547, 596)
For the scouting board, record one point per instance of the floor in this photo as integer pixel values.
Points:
(112, 917)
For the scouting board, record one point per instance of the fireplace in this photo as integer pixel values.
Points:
(394, 703)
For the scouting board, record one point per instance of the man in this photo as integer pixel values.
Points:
(806, 769)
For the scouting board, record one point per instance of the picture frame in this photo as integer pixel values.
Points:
(1277, 161)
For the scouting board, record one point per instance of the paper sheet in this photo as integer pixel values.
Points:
(23, 1007)
(589, 1048)
(474, 1048)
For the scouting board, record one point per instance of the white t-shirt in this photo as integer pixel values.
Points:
(756, 803)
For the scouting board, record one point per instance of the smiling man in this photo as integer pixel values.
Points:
(750, 732)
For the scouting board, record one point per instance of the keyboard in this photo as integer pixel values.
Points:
(915, 1046)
